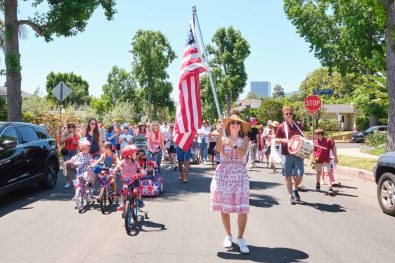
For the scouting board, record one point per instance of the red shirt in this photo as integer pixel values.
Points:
(323, 155)
(280, 134)
(71, 146)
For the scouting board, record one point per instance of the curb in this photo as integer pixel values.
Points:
(358, 173)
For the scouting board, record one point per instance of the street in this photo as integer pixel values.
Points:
(43, 226)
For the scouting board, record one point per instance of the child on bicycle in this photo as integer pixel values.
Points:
(129, 167)
(109, 158)
(80, 162)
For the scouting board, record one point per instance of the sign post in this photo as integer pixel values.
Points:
(61, 92)
(313, 104)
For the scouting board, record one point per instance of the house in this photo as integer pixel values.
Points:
(342, 112)
(3, 92)
(249, 103)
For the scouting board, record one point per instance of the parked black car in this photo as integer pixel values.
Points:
(360, 136)
(384, 174)
(27, 155)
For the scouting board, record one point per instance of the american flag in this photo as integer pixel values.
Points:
(189, 109)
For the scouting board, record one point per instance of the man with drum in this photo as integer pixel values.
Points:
(293, 166)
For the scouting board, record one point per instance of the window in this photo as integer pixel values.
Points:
(27, 133)
(41, 134)
(382, 128)
(9, 134)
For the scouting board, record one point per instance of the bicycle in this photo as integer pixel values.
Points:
(83, 190)
(106, 192)
(131, 206)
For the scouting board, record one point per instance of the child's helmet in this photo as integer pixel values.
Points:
(84, 143)
(151, 163)
(128, 150)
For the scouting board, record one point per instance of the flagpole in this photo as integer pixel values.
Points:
(195, 17)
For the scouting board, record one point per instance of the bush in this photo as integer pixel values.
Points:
(328, 125)
(376, 139)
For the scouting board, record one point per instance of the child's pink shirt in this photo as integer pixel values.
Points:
(129, 167)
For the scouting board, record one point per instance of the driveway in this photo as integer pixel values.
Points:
(353, 149)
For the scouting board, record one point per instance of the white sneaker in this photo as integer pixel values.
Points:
(228, 242)
(243, 246)
(67, 185)
(206, 163)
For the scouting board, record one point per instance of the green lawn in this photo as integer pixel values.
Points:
(377, 151)
(354, 162)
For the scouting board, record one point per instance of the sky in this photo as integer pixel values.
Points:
(278, 54)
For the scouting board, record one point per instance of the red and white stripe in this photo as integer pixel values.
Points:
(189, 110)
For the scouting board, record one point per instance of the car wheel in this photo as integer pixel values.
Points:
(386, 193)
(51, 175)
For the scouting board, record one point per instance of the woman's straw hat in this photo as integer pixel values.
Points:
(275, 124)
(245, 126)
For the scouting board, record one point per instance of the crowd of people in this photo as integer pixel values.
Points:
(230, 148)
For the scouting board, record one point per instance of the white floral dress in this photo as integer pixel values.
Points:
(230, 185)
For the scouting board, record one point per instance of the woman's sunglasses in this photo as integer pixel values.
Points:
(289, 113)
(235, 122)
(92, 123)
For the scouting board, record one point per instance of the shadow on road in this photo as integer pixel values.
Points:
(333, 208)
(264, 201)
(24, 197)
(265, 254)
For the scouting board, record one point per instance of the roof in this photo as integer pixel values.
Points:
(3, 92)
(338, 108)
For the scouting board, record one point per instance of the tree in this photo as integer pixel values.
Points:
(252, 96)
(230, 50)
(353, 36)
(270, 109)
(324, 78)
(63, 18)
(152, 54)
(79, 94)
(3, 109)
(161, 98)
(120, 86)
(278, 91)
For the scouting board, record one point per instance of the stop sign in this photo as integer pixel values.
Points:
(312, 103)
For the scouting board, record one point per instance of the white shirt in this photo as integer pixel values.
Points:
(123, 142)
(164, 128)
(203, 132)
(169, 139)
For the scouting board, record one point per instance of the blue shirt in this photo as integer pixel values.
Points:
(113, 140)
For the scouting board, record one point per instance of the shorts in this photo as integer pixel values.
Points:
(171, 149)
(322, 167)
(211, 147)
(293, 165)
(118, 147)
(183, 156)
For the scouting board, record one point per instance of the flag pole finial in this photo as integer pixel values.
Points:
(194, 8)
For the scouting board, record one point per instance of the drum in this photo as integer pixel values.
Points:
(301, 147)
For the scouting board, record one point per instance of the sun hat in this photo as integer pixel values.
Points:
(245, 126)
(141, 123)
(275, 124)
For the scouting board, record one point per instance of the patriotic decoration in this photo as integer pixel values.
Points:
(189, 110)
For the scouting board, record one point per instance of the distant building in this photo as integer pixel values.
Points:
(247, 103)
(3, 93)
(261, 88)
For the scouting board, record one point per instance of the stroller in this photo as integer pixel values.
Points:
(152, 185)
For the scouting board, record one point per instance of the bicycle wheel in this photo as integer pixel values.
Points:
(79, 199)
(103, 199)
(128, 215)
(135, 209)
